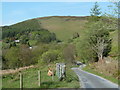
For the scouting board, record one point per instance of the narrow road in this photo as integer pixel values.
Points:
(88, 80)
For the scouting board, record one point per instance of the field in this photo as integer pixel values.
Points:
(64, 27)
(30, 79)
(114, 36)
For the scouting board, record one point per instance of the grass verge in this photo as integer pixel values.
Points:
(111, 78)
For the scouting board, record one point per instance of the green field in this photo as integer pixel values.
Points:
(64, 27)
(30, 79)
(114, 36)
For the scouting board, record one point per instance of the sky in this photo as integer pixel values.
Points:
(14, 12)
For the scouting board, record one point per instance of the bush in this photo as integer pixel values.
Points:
(16, 57)
(69, 53)
(75, 35)
(95, 44)
(12, 57)
(37, 51)
(49, 56)
(26, 56)
(85, 54)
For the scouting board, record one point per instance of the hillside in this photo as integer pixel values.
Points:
(63, 26)
(57, 24)
(37, 42)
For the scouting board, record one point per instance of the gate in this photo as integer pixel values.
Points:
(61, 70)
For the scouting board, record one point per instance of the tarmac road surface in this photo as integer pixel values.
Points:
(88, 80)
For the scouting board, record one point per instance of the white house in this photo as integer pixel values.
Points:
(17, 41)
(30, 47)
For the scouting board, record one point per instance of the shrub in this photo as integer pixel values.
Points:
(75, 35)
(26, 56)
(49, 56)
(12, 57)
(37, 51)
(84, 52)
(69, 53)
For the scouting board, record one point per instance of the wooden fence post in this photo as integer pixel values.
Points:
(39, 78)
(53, 75)
(21, 81)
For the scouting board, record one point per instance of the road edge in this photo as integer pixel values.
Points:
(80, 80)
(100, 77)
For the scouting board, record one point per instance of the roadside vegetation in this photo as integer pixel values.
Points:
(92, 41)
(106, 62)
(109, 76)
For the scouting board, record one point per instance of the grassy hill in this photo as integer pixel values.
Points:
(60, 25)
(63, 26)
(114, 36)
(45, 53)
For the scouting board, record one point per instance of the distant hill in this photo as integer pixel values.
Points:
(63, 26)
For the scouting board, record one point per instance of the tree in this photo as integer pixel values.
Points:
(95, 11)
(85, 53)
(113, 9)
(39, 50)
(12, 57)
(75, 35)
(69, 53)
(24, 39)
(49, 56)
(112, 16)
(12, 44)
(99, 40)
(25, 56)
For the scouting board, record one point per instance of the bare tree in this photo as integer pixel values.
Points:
(99, 47)
(99, 40)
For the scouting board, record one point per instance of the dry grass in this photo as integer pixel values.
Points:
(109, 68)
(11, 71)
